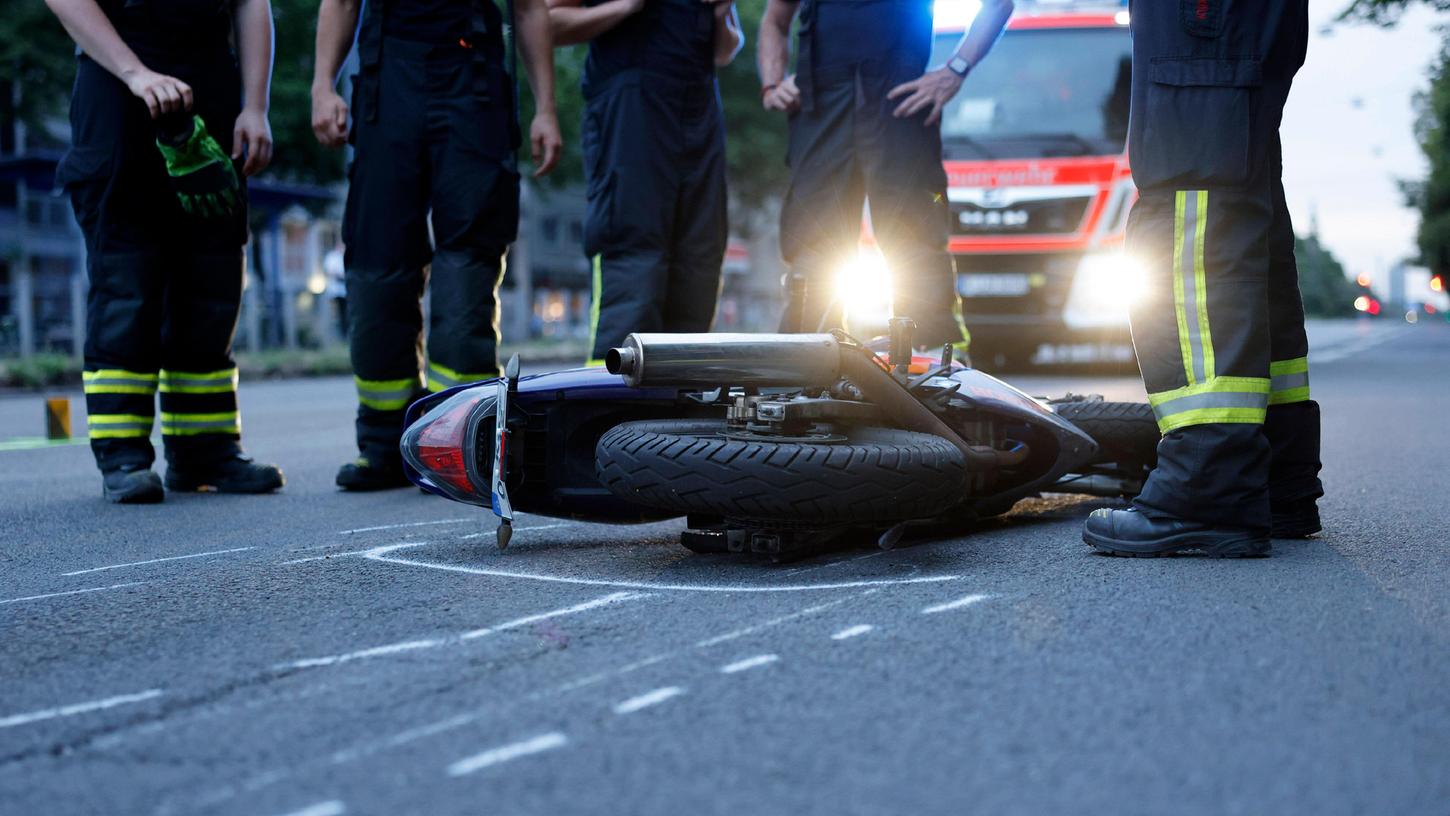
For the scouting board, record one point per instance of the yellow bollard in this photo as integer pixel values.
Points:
(57, 417)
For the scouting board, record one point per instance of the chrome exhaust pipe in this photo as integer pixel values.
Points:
(713, 360)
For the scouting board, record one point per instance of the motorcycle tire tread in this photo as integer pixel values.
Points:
(1126, 432)
(877, 474)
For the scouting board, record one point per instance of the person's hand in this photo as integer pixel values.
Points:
(932, 90)
(161, 93)
(254, 134)
(329, 117)
(785, 97)
(545, 142)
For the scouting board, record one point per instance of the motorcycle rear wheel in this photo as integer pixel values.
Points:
(874, 475)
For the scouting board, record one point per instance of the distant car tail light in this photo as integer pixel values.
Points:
(442, 444)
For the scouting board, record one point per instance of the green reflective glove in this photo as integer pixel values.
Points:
(201, 173)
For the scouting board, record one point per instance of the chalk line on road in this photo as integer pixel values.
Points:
(852, 631)
(384, 555)
(157, 561)
(72, 592)
(749, 663)
(77, 708)
(332, 807)
(649, 698)
(750, 630)
(504, 753)
(957, 604)
(454, 639)
(517, 531)
(406, 524)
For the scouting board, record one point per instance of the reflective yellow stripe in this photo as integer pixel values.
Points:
(203, 382)
(441, 377)
(1222, 399)
(1179, 205)
(173, 424)
(118, 381)
(1289, 381)
(119, 426)
(386, 395)
(596, 290)
(592, 363)
(1200, 283)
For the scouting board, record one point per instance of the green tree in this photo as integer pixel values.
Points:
(37, 55)
(296, 155)
(1386, 12)
(1327, 291)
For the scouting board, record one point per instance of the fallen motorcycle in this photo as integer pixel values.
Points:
(784, 444)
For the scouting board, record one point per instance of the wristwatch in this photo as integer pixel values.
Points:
(959, 66)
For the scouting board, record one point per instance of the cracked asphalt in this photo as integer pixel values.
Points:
(320, 653)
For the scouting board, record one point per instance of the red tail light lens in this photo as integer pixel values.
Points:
(442, 443)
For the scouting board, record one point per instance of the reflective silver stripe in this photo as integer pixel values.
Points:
(187, 382)
(200, 425)
(434, 375)
(1284, 382)
(385, 396)
(1187, 270)
(125, 381)
(1212, 399)
(120, 426)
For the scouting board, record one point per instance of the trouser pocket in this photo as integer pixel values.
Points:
(1198, 124)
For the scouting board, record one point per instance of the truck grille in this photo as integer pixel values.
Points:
(1049, 217)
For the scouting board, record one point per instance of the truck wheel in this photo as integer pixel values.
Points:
(874, 475)
(1126, 432)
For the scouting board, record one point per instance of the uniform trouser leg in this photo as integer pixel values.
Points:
(475, 206)
(630, 141)
(386, 232)
(906, 185)
(820, 218)
(200, 423)
(1292, 422)
(702, 227)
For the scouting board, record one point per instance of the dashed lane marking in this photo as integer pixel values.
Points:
(461, 637)
(852, 631)
(505, 753)
(77, 708)
(649, 698)
(957, 604)
(157, 561)
(72, 592)
(332, 807)
(384, 555)
(749, 663)
(750, 630)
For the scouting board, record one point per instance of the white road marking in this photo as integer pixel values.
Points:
(517, 531)
(606, 675)
(649, 698)
(327, 557)
(749, 663)
(835, 563)
(407, 524)
(1339, 351)
(330, 808)
(77, 708)
(957, 604)
(750, 630)
(852, 631)
(504, 753)
(72, 592)
(383, 554)
(461, 637)
(157, 560)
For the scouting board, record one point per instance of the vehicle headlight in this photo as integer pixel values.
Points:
(1105, 285)
(863, 287)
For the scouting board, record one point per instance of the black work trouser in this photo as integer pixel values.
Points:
(1220, 336)
(429, 137)
(846, 147)
(165, 286)
(656, 227)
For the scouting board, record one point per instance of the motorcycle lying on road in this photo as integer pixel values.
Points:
(783, 444)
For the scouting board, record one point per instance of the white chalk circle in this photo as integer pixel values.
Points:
(385, 555)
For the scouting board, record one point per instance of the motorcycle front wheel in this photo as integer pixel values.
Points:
(858, 475)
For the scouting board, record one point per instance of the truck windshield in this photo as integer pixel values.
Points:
(1041, 93)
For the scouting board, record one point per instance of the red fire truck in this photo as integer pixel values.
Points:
(1037, 169)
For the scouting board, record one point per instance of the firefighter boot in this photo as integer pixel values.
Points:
(234, 474)
(363, 475)
(1298, 519)
(131, 484)
(1132, 533)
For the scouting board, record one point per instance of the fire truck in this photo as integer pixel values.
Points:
(1038, 183)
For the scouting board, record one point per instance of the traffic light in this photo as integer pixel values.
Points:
(1437, 283)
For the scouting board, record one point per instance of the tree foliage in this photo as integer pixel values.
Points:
(1386, 12)
(1326, 290)
(36, 53)
(1431, 195)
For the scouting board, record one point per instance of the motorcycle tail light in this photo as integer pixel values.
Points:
(443, 442)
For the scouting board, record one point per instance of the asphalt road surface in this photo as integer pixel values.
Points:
(320, 653)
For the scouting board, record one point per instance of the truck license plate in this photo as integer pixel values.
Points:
(993, 285)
